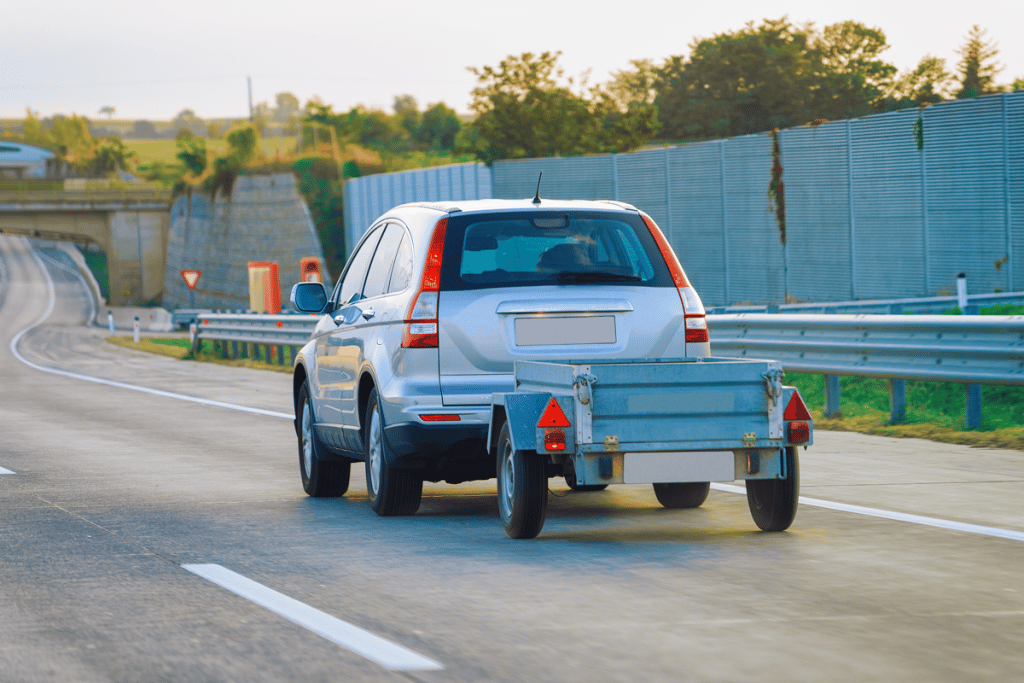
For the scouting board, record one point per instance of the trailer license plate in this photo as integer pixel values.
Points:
(563, 331)
(681, 466)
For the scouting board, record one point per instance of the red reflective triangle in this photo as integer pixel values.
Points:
(553, 416)
(796, 410)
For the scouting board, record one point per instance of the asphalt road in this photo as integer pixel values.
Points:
(121, 505)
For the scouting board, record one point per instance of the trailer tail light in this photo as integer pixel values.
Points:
(693, 308)
(420, 330)
(799, 432)
(796, 409)
(553, 416)
(554, 439)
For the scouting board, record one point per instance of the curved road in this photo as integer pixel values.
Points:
(144, 537)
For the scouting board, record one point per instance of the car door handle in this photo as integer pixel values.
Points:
(368, 313)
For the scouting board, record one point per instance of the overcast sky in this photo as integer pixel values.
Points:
(151, 60)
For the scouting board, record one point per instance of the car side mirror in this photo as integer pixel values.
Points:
(309, 297)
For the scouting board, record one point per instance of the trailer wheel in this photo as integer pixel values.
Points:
(680, 496)
(522, 489)
(773, 501)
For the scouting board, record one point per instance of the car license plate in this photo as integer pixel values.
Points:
(563, 331)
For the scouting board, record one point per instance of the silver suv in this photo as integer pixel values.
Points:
(436, 303)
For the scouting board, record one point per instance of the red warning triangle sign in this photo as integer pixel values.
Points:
(191, 277)
(797, 409)
(553, 416)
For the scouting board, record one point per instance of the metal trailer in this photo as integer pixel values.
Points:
(678, 424)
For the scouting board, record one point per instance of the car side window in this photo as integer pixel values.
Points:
(383, 260)
(401, 274)
(351, 287)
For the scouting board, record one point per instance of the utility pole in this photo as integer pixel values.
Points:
(252, 119)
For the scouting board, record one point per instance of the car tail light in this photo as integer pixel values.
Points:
(693, 308)
(421, 321)
(799, 432)
(440, 418)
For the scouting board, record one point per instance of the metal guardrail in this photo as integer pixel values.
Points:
(967, 349)
(271, 333)
(881, 306)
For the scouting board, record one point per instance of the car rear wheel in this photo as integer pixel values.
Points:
(682, 496)
(522, 489)
(392, 492)
(773, 502)
(320, 478)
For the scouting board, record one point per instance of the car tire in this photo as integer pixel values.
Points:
(773, 502)
(678, 496)
(391, 492)
(522, 488)
(320, 478)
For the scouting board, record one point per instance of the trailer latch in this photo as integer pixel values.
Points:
(582, 383)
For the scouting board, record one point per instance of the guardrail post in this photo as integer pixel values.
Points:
(973, 406)
(280, 354)
(897, 401)
(896, 309)
(832, 396)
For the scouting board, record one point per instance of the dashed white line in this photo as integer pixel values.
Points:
(1010, 534)
(6, 471)
(384, 652)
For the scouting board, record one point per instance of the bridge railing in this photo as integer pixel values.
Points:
(27, 196)
(966, 349)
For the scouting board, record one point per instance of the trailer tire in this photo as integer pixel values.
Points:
(682, 496)
(522, 488)
(773, 502)
(392, 492)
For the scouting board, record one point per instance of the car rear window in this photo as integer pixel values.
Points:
(545, 248)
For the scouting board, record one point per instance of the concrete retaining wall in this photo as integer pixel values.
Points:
(266, 219)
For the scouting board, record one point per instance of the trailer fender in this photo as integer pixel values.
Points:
(522, 412)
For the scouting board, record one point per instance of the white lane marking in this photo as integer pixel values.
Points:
(897, 516)
(6, 471)
(112, 383)
(384, 652)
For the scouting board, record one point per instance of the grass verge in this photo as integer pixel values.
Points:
(180, 348)
(936, 411)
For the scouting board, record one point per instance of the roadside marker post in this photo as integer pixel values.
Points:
(110, 321)
(136, 329)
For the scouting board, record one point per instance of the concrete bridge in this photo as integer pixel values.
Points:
(131, 226)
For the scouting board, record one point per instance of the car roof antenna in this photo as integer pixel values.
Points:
(536, 197)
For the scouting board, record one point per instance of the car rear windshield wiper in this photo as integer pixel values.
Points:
(568, 276)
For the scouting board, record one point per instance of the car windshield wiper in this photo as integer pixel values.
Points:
(568, 276)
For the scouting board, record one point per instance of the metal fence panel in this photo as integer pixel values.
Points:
(1013, 131)
(367, 198)
(965, 187)
(564, 178)
(817, 190)
(889, 247)
(696, 215)
(756, 268)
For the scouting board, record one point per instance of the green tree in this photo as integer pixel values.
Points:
(192, 153)
(523, 111)
(408, 112)
(854, 79)
(978, 67)
(1018, 84)
(287, 109)
(186, 118)
(439, 128)
(929, 82)
(747, 81)
(108, 110)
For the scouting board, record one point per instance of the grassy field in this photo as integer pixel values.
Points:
(935, 411)
(149, 152)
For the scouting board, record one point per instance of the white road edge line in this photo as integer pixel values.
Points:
(112, 383)
(384, 652)
(896, 516)
(6, 471)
